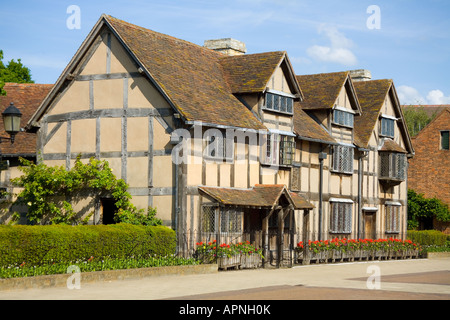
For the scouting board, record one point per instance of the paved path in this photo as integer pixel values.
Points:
(399, 279)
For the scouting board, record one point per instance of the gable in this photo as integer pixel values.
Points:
(253, 73)
(104, 78)
(188, 77)
(378, 99)
(322, 90)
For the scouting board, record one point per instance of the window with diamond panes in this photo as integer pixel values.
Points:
(342, 159)
(393, 166)
(229, 220)
(287, 150)
(341, 217)
(209, 222)
(393, 218)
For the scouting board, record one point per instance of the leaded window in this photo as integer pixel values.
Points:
(393, 165)
(341, 217)
(342, 159)
(393, 218)
(223, 220)
(287, 150)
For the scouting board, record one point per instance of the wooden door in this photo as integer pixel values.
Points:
(369, 225)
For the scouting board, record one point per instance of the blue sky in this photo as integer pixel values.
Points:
(406, 40)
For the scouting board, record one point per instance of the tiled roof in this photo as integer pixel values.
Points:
(371, 95)
(305, 127)
(190, 75)
(26, 97)
(391, 146)
(250, 73)
(321, 90)
(261, 195)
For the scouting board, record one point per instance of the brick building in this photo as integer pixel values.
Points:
(429, 170)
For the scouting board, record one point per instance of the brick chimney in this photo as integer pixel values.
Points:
(360, 75)
(227, 46)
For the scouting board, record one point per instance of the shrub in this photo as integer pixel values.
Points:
(427, 237)
(41, 245)
(420, 207)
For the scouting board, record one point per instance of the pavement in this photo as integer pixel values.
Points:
(417, 279)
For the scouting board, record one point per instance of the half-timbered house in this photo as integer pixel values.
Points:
(226, 145)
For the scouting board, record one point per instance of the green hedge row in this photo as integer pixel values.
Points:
(427, 237)
(41, 245)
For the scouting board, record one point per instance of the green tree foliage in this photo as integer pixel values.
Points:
(47, 192)
(13, 72)
(420, 207)
(416, 119)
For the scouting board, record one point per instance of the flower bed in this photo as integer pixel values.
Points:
(239, 255)
(339, 250)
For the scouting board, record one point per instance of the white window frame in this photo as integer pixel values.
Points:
(279, 101)
(392, 216)
(387, 126)
(343, 117)
(341, 216)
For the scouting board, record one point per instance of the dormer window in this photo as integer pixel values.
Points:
(387, 126)
(343, 117)
(279, 101)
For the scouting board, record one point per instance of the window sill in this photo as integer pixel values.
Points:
(341, 172)
(278, 111)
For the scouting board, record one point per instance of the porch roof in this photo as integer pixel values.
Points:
(261, 195)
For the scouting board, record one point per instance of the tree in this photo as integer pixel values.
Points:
(13, 72)
(416, 119)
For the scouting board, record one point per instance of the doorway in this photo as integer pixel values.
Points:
(370, 219)
(108, 210)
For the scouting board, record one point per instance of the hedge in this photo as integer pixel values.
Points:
(40, 245)
(427, 237)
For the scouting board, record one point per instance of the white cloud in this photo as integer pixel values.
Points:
(410, 95)
(437, 97)
(338, 51)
